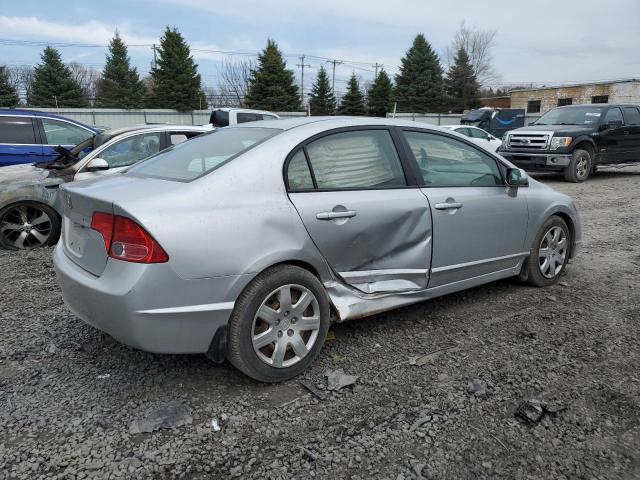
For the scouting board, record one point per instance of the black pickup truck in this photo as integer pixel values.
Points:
(576, 139)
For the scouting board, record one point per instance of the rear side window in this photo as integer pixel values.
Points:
(356, 159)
(189, 160)
(613, 115)
(298, 174)
(478, 133)
(448, 162)
(632, 115)
(17, 130)
(243, 117)
(63, 133)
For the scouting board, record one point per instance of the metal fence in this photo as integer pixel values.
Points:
(114, 118)
(445, 118)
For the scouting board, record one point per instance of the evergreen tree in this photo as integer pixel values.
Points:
(352, 102)
(120, 85)
(379, 98)
(176, 82)
(322, 101)
(53, 84)
(8, 95)
(463, 91)
(272, 86)
(419, 84)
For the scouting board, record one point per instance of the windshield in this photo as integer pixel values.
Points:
(189, 160)
(571, 116)
(475, 115)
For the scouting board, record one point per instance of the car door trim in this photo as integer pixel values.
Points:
(477, 262)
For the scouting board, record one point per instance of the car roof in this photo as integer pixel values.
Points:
(599, 105)
(248, 110)
(37, 113)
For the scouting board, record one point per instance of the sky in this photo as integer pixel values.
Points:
(539, 42)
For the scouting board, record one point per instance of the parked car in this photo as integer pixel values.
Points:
(249, 241)
(477, 135)
(29, 201)
(576, 139)
(28, 136)
(223, 117)
(496, 121)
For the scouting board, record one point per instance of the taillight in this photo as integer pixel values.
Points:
(125, 240)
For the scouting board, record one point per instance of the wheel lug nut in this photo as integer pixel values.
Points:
(277, 321)
(280, 333)
(290, 332)
(286, 314)
(294, 320)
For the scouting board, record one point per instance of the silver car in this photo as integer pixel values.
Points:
(247, 242)
(29, 202)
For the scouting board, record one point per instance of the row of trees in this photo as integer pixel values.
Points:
(421, 84)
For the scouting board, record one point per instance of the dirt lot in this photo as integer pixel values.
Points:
(68, 395)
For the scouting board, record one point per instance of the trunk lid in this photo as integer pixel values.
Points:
(80, 200)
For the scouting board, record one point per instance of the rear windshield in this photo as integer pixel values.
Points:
(189, 160)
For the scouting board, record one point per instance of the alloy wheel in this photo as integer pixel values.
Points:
(552, 252)
(582, 166)
(286, 326)
(25, 226)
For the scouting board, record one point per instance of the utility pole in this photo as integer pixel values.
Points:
(155, 58)
(376, 66)
(302, 65)
(333, 80)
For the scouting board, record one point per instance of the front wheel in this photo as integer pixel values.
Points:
(279, 324)
(579, 167)
(550, 253)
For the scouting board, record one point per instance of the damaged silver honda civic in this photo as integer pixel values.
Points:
(246, 243)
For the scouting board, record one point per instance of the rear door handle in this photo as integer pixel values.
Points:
(334, 215)
(448, 205)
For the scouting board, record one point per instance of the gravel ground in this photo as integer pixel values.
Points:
(71, 398)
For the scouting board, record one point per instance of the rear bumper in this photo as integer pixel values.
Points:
(537, 161)
(148, 306)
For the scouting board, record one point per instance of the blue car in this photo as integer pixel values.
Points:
(29, 137)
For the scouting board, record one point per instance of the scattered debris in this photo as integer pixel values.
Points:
(214, 425)
(313, 390)
(103, 376)
(331, 335)
(337, 379)
(286, 404)
(309, 454)
(530, 411)
(172, 415)
(50, 331)
(52, 348)
(476, 387)
(564, 284)
(552, 298)
(421, 360)
(419, 422)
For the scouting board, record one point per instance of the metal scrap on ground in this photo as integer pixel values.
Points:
(172, 415)
(337, 379)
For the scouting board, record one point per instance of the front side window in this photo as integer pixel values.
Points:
(189, 160)
(131, 150)
(63, 133)
(356, 159)
(463, 131)
(17, 130)
(447, 162)
(613, 115)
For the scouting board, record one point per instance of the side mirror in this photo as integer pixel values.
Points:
(516, 177)
(96, 164)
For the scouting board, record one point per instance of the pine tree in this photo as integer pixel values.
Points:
(272, 86)
(352, 102)
(53, 84)
(176, 82)
(322, 100)
(120, 85)
(8, 95)
(463, 91)
(379, 97)
(419, 84)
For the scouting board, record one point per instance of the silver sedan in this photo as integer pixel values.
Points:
(246, 243)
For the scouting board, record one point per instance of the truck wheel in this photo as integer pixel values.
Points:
(278, 325)
(579, 167)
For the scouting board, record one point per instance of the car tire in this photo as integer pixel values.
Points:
(42, 234)
(272, 337)
(549, 256)
(579, 167)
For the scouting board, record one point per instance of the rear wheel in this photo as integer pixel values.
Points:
(279, 324)
(27, 225)
(579, 167)
(550, 253)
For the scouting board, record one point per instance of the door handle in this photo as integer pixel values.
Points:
(334, 215)
(448, 206)
(626, 132)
